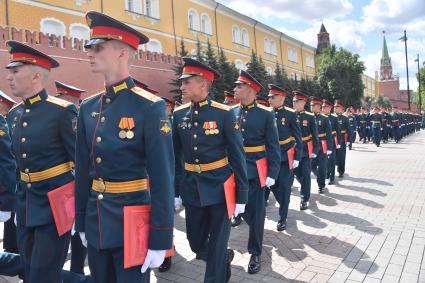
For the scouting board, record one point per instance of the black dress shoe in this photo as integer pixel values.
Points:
(166, 265)
(331, 182)
(254, 265)
(281, 225)
(341, 175)
(303, 205)
(236, 221)
(321, 190)
(230, 256)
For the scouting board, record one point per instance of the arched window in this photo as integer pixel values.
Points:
(80, 31)
(273, 49)
(245, 37)
(239, 64)
(193, 20)
(292, 55)
(206, 24)
(52, 26)
(266, 45)
(154, 45)
(236, 34)
(152, 8)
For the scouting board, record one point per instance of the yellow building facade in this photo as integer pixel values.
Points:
(371, 85)
(167, 22)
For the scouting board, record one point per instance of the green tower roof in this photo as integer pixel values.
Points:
(385, 55)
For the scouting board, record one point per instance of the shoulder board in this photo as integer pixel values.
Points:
(145, 94)
(323, 115)
(235, 106)
(345, 115)
(333, 114)
(92, 96)
(220, 106)
(15, 106)
(289, 109)
(186, 105)
(58, 101)
(264, 107)
(309, 113)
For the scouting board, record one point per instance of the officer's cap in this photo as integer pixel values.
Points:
(275, 90)
(246, 78)
(315, 100)
(62, 88)
(299, 95)
(5, 99)
(21, 54)
(193, 68)
(338, 103)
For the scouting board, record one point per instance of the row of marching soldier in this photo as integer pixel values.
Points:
(108, 176)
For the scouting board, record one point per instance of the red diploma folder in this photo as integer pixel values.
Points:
(346, 137)
(336, 141)
(291, 157)
(136, 235)
(62, 203)
(310, 149)
(262, 168)
(230, 194)
(324, 146)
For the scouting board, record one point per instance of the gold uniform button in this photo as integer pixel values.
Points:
(24, 155)
(23, 140)
(27, 170)
(24, 124)
(102, 120)
(108, 100)
(98, 160)
(29, 185)
(98, 139)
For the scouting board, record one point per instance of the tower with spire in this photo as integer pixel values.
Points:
(386, 66)
(323, 40)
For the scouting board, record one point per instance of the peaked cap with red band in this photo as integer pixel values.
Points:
(229, 96)
(62, 88)
(337, 103)
(104, 28)
(262, 101)
(275, 90)
(246, 78)
(315, 100)
(193, 68)
(6, 99)
(299, 95)
(327, 103)
(21, 54)
(144, 86)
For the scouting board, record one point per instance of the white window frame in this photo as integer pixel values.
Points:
(82, 26)
(206, 26)
(136, 6)
(292, 55)
(194, 25)
(236, 34)
(57, 21)
(156, 41)
(154, 8)
(270, 71)
(245, 37)
(273, 47)
(267, 45)
(309, 61)
(239, 64)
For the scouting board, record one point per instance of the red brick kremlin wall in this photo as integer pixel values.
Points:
(151, 68)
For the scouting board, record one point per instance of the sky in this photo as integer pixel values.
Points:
(356, 25)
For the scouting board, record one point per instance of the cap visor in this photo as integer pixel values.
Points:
(185, 76)
(14, 64)
(94, 41)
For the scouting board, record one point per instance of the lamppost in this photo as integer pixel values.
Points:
(419, 87)
(404, 38)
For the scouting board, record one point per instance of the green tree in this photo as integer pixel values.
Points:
(199, 54)
(421, 80)
(381, 101)
(339, 72)
(178, 69)
(229, 75)
(211, 61)
(257, 69)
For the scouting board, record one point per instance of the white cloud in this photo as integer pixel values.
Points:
(292, 9)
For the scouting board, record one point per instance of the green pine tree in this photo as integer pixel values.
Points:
(199, 55)
(178, 69)
(211, 61)
(257, 69)
(229, 75)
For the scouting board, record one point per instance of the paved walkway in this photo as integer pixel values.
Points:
(369, 227)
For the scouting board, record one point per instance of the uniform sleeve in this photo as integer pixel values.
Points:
(314, 135)
(236, 156)
(68, 130)
(328, 130)
(178, 154)
(296, 133)
(7, 169)
(338, 131)
(160, 167)
(82, 168)
(272, 146)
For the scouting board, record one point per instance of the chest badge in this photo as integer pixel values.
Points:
(211, 128)
(283, 120)
(126, 125)
(305, 123)
(2, 133)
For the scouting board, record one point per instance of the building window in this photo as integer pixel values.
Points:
(152, 8)
(206, 24)
(310, 61)
(273, 49)
(270, 71)
(239, 64)
(154, 45)
(236, 35)
(134, 6)
(245, 37)
(52, 26)
(193, 20)
(266, 45)
(292, 55)
(79, 31)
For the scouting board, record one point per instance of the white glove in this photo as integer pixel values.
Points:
(270, 182)
(240, 208)
(338, 146)
(329, 152)
(5, 215)
(153, 259)
(177, 203)
(73, 230)
(15, 221)
(295, 164)
(83, 239)
(313, 155)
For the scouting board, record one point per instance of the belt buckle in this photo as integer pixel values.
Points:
(102, 185)
(26, 177)
(198, 168)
